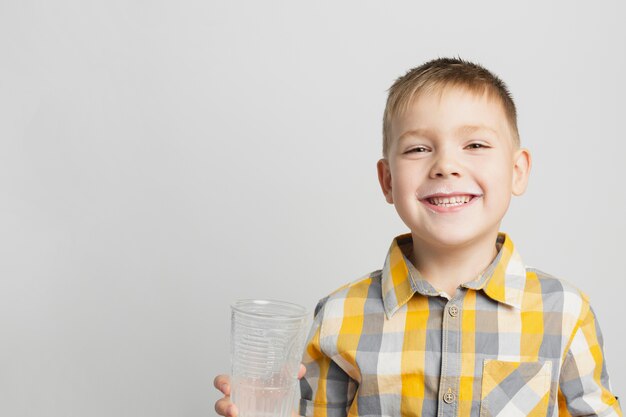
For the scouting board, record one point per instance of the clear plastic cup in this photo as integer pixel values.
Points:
(267, 338)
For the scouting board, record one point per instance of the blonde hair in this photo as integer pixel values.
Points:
(437, 74)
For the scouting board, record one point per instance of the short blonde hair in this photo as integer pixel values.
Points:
(437, 74)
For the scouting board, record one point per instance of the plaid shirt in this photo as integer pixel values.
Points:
(513, 342)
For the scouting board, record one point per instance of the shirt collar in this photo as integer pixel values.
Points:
(503, 280)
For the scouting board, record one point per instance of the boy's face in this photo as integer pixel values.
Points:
(461, 143)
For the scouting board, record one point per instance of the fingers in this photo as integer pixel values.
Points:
(224, 407)
(302, 371)
(222, 383)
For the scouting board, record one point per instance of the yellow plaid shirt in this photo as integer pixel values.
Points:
(513, 342)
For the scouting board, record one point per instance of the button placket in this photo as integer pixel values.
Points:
(450, 357)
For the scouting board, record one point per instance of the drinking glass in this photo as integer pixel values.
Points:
(267, 338)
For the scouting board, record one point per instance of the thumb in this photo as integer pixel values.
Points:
(302, 371)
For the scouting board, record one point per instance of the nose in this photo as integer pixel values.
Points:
(445, 164)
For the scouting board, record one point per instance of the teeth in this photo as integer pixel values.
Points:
(450, 201)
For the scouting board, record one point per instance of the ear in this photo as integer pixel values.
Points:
(384, 177)
(521, 171)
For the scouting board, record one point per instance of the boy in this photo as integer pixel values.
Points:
(454, 324)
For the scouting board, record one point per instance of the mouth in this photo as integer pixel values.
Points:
(450, 204)
(455, 200)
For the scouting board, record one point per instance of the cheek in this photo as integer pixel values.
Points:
(497, 181)
(405, 185)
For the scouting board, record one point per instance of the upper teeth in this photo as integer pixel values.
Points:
(450, 200)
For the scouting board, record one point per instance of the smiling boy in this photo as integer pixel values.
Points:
(454, 324)
(452, 143)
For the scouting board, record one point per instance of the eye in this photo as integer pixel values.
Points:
(479, 145)
(417, 149)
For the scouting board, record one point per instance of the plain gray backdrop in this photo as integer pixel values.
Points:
(161, 159)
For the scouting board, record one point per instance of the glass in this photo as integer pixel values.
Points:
(267, 338)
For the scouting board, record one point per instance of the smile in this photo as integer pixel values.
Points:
(449, 205)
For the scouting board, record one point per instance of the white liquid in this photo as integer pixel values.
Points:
(259, 401)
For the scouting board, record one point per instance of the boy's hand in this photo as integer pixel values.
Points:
(223, 406)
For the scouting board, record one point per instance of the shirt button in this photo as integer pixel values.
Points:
(449, 396)
(453, 310)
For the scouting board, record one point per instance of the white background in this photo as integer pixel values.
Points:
(159, 160)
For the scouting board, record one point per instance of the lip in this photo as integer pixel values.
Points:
(444, 195)
(454, 209)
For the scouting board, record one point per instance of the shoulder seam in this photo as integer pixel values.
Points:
(582, 294)
(354, 282)
(539, 271)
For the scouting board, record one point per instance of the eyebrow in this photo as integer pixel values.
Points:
(462, 130)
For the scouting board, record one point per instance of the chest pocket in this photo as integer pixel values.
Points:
(515, 388)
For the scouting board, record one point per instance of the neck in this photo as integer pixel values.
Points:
(445, 268)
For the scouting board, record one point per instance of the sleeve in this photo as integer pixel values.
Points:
(326, 389)
(584, 386)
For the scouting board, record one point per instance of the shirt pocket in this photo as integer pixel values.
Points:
(515, 388)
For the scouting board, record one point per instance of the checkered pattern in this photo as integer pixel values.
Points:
(513, 342)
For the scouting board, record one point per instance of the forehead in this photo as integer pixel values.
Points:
(451, 111)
